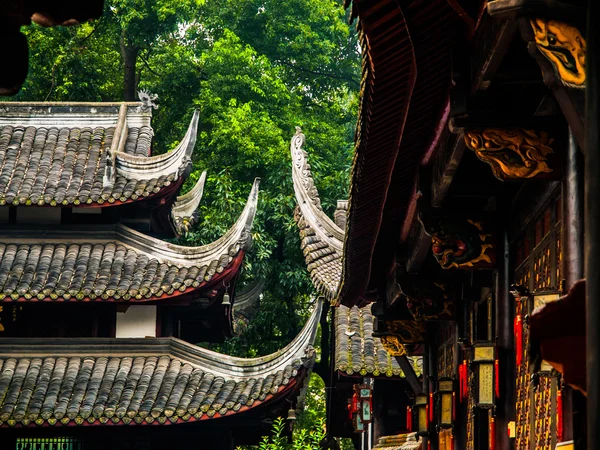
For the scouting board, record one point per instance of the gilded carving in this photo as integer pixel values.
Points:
(565, 48)
(426, 299)
(512, 153)
(460, 243)
(407, 331)
(393, 346)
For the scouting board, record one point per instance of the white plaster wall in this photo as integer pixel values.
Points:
(137, 322)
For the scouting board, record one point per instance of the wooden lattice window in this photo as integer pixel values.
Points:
(538, 258)
(55, 443)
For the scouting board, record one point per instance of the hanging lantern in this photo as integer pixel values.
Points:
(483, 359)
(492, 436)
(422, 409)
(463, 380)
(361, 407)
(446, 395)
(364, 397)
(497, 378)
(559, 416)
(518, 331)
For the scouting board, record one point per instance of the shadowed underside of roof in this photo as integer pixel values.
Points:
(117, 264)
(70, 154)
(140, 381)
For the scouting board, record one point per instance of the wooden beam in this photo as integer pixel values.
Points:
(409, 373)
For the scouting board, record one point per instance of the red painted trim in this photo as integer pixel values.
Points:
(217, 279)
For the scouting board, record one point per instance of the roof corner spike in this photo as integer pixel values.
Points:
(190, 139)
(184, 212)
(250, 213)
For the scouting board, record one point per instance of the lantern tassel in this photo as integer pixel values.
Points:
(518, 329)
(492, 434)
(408, 418)
(453, 406)
(497, 378)
(559, 418)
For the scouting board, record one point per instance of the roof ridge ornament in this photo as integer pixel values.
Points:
(184, 212)
(147, 99)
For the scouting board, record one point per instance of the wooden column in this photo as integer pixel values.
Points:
(426, 382)
(573, 259)
(592, 224)
(505, 346)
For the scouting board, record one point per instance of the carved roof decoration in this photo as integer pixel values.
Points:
(69, 154)
(245, 306)
(184, 212)
(321, 239)
(357, 352)
(141, 381)
(117, 264)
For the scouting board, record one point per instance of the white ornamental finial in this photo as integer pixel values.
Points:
(148, 99)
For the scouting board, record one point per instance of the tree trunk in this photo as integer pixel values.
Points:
(129, 54)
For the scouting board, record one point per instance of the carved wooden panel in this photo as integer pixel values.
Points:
(538, 260)
(523, 397)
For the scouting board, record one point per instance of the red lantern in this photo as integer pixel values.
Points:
(431, 411)
(497, 378)
(462, 380)
(492, 434)
(518, 329)
(559, 418)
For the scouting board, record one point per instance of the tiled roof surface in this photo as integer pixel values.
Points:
(357, 352)
(409, 441)
(119, 264)
(62, 155)
(138, 381)
(321, 239)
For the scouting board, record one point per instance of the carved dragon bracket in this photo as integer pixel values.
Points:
(461, 242)
(514, 153)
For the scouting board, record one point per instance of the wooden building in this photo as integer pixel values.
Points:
(466, 213)
(99, 314)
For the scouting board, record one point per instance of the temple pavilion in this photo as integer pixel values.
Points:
(99, 313)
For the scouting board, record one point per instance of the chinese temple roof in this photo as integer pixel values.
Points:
(115, 263)
(141, 381)
(404, 104)
(357, 352)
(245, 306)
(69, 154)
